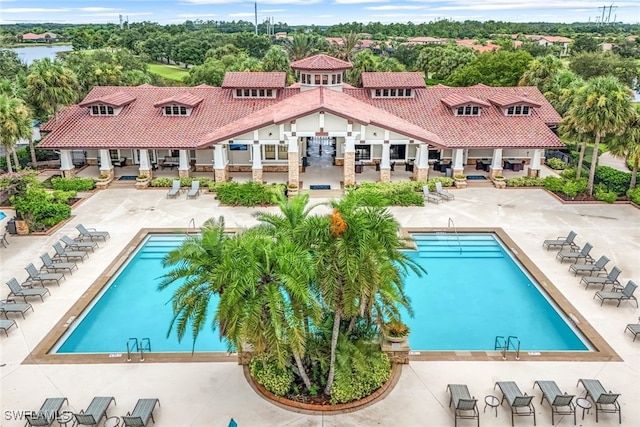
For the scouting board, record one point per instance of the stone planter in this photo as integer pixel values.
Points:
(142, 183)
(22, 227)
(460, 183)
(395, 339)
(499, 183)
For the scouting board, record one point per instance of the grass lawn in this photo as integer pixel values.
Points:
(170, 72)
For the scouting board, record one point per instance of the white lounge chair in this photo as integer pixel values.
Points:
(443, 193)
(561, 242)
(194, 191)
(175, 189)
(90, 233)
(431, 197)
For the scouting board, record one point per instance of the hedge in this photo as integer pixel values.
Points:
(73, 184)
(614, 180)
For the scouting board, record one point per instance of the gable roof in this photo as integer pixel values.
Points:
(321, 62)
(383, 80)
(117, 99)
(186, 99)
(506, 100)
(254, 80)
(457, 99)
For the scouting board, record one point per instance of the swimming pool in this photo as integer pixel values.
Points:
(474, 292)
(2, 215)
(132, 307)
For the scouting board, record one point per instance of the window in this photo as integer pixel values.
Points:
(238, 147)
(261, 93)
(385, 92)
(339, 78)
(363, 152)
(475, 111)
(304, 79)
(317, 79)
(176, 110)
(269, 93)
(269, 152)
(378, 92)
(110, 111)
(460, 111)
(407, 92)
(238, 92)
(167, 110)
(333, 79)
(393, 92)
(94, 110)
(468, 110)
(525, 110)
(103, 110)
(397, 152)
(400, 92)
(254, 92)
(519, 110)
(183, 111)
(325, 79)
(510, 111)
(247, 92)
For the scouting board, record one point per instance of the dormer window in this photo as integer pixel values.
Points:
(518, 110)
(175, 110)
(102, 110)
(468, 110)
(392, 93)
(254, 93)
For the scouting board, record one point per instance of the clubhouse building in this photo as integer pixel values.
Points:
(256, 123)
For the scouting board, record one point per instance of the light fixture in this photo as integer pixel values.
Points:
(270, 134)
(375, 134)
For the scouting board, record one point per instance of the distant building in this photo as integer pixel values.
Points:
(41, 38)
(563, 42)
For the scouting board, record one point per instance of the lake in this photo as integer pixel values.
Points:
(31, 53)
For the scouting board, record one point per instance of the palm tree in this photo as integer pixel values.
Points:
(302, 46)
(51, 85)
(561, 90)
(627, 145)
(15, 124)
(601, 107)
(541, 71)
(350, 43)
(363, 61)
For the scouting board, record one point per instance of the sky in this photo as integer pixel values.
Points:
(318, 12)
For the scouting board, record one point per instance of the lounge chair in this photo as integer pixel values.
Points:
(90, 233)
(603, 401)
(47, 413)
(516, 400)
(3, 240)
(141, 413)
(561, 242)
(95, 412)
(577, 256)
(232, 423)
(18, 291)
(65, 254)
(443, 193)
(175, 189)
(429, 196)
(597, 267)
(611, 278)
(7, 306)
(465, 405)
(36, 276)
(561, 403)
(74, 245)
(634, 328)
(5, 324)
(624, 295)
(49, 265)
(194, 191)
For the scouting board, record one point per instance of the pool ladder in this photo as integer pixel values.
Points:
(450, 224)
(135, 345)
(504, 344)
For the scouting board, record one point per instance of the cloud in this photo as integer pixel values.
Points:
(391, 7)
(115, 14)
(241, 14)
(33, 10)
(513, 5)
(359, 1)
(196, 15)
(97, 9)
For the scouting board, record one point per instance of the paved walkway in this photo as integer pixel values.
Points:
(208, 394)
(607, 159)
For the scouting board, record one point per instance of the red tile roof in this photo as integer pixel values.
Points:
(506, 100)
(254, 80)
(313, 101)
(456, 99)
(382, 80)
(321, 62)
(117, 99)
(186, 99)
(417, 40)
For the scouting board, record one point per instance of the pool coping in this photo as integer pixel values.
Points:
(40, 354)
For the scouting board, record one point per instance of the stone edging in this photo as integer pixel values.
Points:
(342, 408)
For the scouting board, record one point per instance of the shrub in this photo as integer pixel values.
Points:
(358, 380)
(605, 195)
(525, 181)
(634, 195)
(247, 193)
(162, 182)
(267, 373)
(396, 328)
(61, 196)
(569, 173)
(553, 184)
(73, 184)
(556, 164)
(38, 208)
(407, 193)
(572, 187)
(20, 180)
(615, 180)
(184, 182)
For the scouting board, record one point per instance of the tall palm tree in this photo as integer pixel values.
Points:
(302, 46)
(601, 107)
(15, 124)
(345, 50)
(363, 61)
(627, 145)
(541, 71)
(51, 85)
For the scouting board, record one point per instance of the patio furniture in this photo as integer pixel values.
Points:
(634, 328)
(47, 413)
(36, 276)
(122, 161)
(75, 245)
(491, 401)
(90, 233)
(624, 295)
(584, 404)
(194, 191)
(3, 240)
(466, 407)
(561, 403)
(49, 265)
(175, 189)
(10, 306)
(6, 324)
(561, 242)
(443, 193)
(65, 254)
(603, 401)
(597, 267)
(520, 404)
(430, 197)
(142, 412)
(16, 290)
(577, 256)
(611, 278)
(170, 162)
(95, 412)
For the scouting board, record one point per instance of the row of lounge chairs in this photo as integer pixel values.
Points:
(53, 270)
(192, 193)
(50, 411)
(521, 404)
(437, 196)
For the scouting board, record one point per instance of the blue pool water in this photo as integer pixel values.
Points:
(475, 291)
(2, 215)
(132, 307)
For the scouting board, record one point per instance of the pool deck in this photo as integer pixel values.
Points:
(207, 394)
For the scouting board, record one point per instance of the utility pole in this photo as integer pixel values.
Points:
(610, 9)
(255, 13)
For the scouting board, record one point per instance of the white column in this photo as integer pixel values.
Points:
(105, 160)
(218, 156)
(184, 160)
(423, 156)
(349, 144)
(292, 146)
(65, 160)
(458, 157)
(385, 163)
(496, 162)
(257, 156)
(535, 160)
(143, 156)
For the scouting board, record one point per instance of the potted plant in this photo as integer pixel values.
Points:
(499, 181)
(292, 189)
(103, 177)
(395, 331)
(142, 177)
(460, 180)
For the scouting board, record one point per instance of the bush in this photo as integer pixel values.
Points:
(573, 187)
(60, 196)
(267, 373)
(356, 381)
(407, 193)
(525, 181)
(634, 195)
(553, 184)
(184, 182)
(613, 179)
(73, 184)
(247, 193)
(556, 164)
(569, 173)
(605, 195)
(39, 208)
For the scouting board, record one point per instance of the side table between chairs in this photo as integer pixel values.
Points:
(584, 404)
(491, 401)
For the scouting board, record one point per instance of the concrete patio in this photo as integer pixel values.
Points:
(208, 394)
